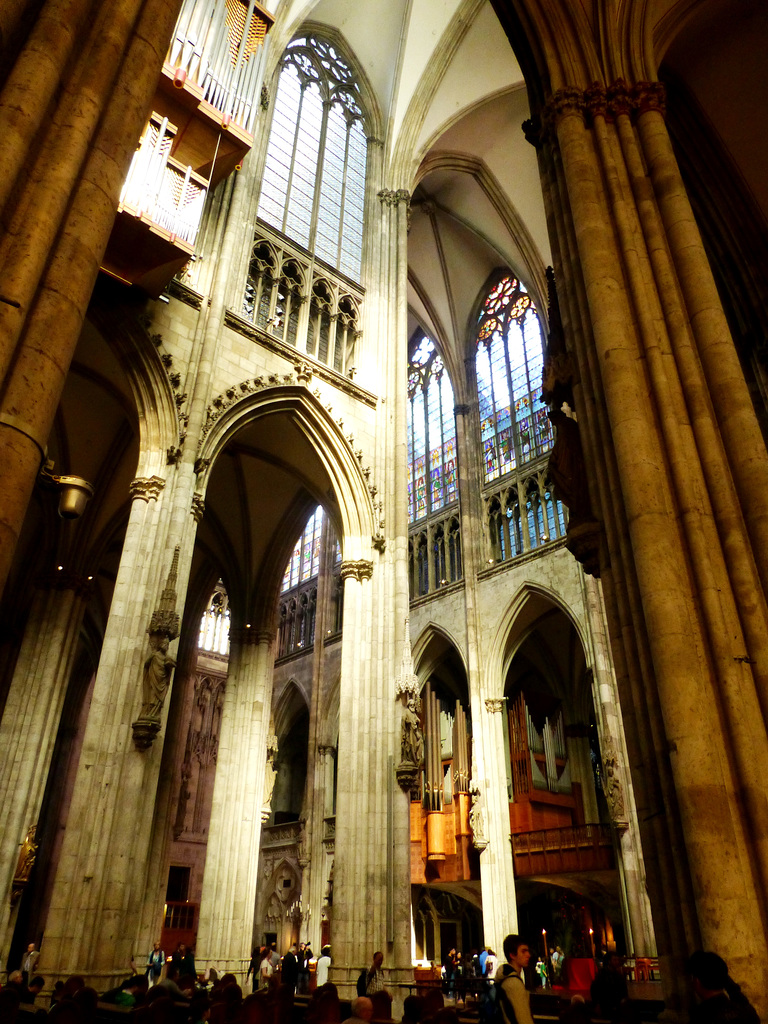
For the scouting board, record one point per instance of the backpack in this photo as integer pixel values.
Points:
(362, 982)
(501, 999)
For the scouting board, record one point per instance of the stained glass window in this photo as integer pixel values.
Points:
(304, 563)
(313, 188)
(432, 475)
(513, 419)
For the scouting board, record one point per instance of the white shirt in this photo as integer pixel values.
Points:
(323, 963)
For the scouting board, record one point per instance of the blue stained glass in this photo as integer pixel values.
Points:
(514, 423)
(431, 432)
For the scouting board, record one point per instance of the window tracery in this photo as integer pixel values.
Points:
(280, 281)
(313, 187)
(513, 419)
(215, 623)
(432, 476)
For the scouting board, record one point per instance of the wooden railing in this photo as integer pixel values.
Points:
(559, 850)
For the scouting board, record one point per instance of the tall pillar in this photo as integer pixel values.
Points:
(636, 908)
(497, 876)
(683, 517)
(372, 904)
(101, 876)
(227, 907)
(317, 794)
(31, 719)
(61, 221)
(489, 771)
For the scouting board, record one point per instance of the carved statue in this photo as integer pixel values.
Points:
(411, 744)
(270, 774)
(157, 677)
(614, 794)
(24, 865)
(476, 817)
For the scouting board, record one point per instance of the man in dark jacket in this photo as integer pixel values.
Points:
(290, 969)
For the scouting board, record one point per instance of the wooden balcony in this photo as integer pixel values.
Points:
(559, 851)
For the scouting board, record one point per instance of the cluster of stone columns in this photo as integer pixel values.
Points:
(676, 468)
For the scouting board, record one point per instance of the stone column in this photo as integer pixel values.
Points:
(99, 886)
(683, 525)
(497, 876)
(636, 908)
(228, 903)
(316, 798)
(62, 221)
(489, 771)
(31, 718)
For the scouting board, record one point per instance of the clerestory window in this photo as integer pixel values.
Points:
(513, 419)
(432, 476)
(313, 189)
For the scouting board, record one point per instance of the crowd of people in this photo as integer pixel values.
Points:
(169, 991)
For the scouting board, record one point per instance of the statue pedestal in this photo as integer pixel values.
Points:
(144, 732)
(407, 775)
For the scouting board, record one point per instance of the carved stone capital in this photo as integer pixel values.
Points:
(390, 197)
(360, 570)
(197, 508)
(146, 488)
(650, 96)
(461, 410)
(567, 102)
(494, 704)
(324, 749)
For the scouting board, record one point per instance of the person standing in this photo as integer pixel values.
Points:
(511, 992)
(265, 969)
(28, 962)
(155, 964)
(323, 963)
(290, 970)
(374, 981)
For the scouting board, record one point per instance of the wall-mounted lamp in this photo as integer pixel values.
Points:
(74, 491)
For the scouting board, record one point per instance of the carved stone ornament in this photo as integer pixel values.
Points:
(476, 817)
(392, 197)
(358, 570)
(24, 865)
(197, 508)
(613, 790)
(494, 704)
(270, 774)
(233, 394)
(146, 488)
(158, 665)
(407, 683)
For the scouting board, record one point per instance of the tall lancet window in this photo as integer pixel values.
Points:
(314, 178)
(513, 419)
(432, 476)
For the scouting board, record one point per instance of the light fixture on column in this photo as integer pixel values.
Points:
(74, 491)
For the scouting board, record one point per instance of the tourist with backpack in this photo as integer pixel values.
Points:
(513, 1002)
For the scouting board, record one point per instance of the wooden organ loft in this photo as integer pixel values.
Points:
(200, 129)
(441, 837)
(546, 812)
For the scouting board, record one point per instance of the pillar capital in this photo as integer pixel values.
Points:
(494, 704)
(146, 488)
(358, 570)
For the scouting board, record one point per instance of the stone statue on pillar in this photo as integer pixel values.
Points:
(411, 740)
(476, 816)
(270, 774)
(613, 790)
(24, 865)
(158, 665)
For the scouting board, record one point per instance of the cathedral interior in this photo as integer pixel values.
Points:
(383, 475)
